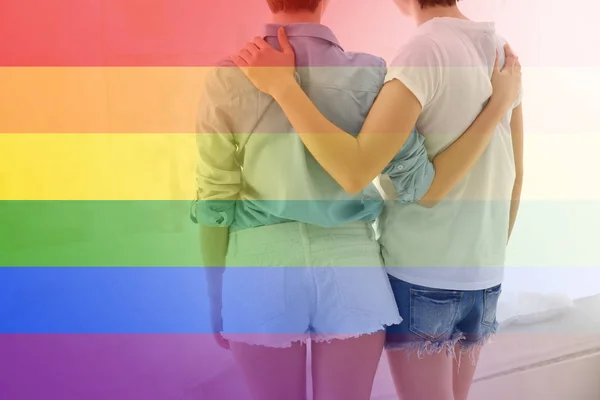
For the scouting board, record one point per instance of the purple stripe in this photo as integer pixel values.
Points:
(116, 367)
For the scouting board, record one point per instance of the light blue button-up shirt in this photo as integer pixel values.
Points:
(253, 170)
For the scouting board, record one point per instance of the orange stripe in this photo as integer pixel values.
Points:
(97, 99)
(165, 99)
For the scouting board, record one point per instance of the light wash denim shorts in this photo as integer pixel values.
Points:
(293, 282)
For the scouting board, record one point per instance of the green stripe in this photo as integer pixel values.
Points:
(97, 233)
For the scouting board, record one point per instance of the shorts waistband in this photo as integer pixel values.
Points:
(292, 231)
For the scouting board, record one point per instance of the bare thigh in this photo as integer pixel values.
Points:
(345, 369)
(273, 373)
(426, 378)
(464, 371)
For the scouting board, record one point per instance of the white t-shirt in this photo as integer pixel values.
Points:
(460, 243)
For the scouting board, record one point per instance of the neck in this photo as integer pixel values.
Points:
(430, 13)
(296, 18)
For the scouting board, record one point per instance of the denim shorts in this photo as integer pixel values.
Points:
(434, 320)
(294, 281)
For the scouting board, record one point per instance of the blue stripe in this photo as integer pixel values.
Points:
(103, 300)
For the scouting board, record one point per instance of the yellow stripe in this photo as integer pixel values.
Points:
(97, 166)
(161, 167)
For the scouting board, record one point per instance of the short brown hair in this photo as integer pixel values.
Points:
(293, 5)
(435, 3)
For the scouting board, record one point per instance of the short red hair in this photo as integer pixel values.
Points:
(277, 6)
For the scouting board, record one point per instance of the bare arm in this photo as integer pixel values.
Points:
(213, 243)
(452, 164)
(516, 126)
(354, 161)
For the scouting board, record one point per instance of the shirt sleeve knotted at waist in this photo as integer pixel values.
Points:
(213, 213)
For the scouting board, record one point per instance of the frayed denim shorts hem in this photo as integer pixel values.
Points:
(439, 320)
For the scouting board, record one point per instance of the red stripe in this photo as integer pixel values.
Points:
(200, 32)
(124, 32)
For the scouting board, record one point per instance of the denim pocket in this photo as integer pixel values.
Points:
(490, 305)
(433, 313)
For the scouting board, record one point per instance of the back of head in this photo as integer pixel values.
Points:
(424, 10)
(436, 3)
(291, 6)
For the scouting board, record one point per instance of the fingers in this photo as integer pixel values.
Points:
(245, 55)
(221, 341)
(514, 64)
(261, 43)
(517, 64)
(511, 61)
(239, 61)
(508, 51)
(259, 52)
(284, 43)
(517, 67)
(252, 48)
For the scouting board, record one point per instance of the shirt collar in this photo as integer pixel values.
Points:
(303, 30)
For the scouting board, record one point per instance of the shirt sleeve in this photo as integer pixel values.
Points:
(411, 172)
(419, 67)
(218, 174)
